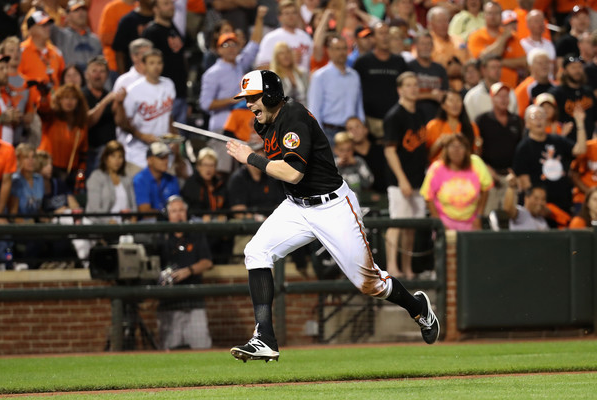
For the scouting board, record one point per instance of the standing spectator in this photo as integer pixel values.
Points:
(580, 22)
(372, 153)
(219, 84)
(445, 46)
(549, 105)
(76, 41)
(378, 71)
(451, 119)
(352, 168)
(432, 77)
(110, 16)
(522, 11)
(501, 132)
(477, 100)
(146, 110)
(588, 213)
(211, 55)
(165, 36)
(335, 91)
(10, 116)
(531, 215)
(583, 172)
(471, 75)
(543, 159)
(572, 91)
(73, 75)
(109, 189)
(153, 185)
(405, 10)
(238, 12)
(8, 166)
(15, 94)
(363, 44)
(137, 48)
(590, 66)
(41, 61)
(468, 20)
(53, 8)
(183, 322)
(289, 31)
(495, 39)
(295, 81)
(536, 39)
(538, 82)
(64, 132)
(129, 28)
(102, 128)
(456, 186)
(406, 155)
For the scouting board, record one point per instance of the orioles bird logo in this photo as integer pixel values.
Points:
(245, 83)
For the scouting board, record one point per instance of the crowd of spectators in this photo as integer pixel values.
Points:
(450, 109)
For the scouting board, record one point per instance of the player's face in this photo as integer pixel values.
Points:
(262, 114)
(409, 89)
(153, 67)
(177, 212)
(114, 161)
(3, 74)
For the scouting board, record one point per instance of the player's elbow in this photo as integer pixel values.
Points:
(295, 177)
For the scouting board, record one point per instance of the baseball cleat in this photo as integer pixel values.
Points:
(427, 321)
(257, 349)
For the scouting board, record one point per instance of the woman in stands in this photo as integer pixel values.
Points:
(109, 190)
(294, 80)
(64, 131)
(456, 186)
(451, 118)
(588, 213)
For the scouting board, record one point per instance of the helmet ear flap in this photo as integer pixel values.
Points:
(273, 91)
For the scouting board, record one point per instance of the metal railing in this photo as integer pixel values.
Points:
(121, 294)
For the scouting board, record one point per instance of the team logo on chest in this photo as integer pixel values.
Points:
(291, 140)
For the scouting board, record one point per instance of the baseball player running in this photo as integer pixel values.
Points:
(319, 205)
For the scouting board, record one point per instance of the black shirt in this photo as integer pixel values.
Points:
(376, 161)
(567, 98)
(243, 190)
(105, 129)
(295, 137)
(406, 132)
(129, 28)
(202, 197)
(567, 44)
(170, 42)
(547, 163)
(378, 80)
(499, 141)
(429, 78)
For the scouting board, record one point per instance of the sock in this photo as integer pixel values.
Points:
(403, 298)
(261, 287)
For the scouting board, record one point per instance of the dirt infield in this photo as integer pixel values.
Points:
(92, 392)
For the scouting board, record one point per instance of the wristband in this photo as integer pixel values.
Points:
(257, 161)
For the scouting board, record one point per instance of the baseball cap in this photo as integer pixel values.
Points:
(4, 58)
(545, 98)
(496, 87)
(572, 58)
(362, 31)
(252, 83)
(508, 16)
(158, 149)
(74, 5)
(38, 18)
(226, 37)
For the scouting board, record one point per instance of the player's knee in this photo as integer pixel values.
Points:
(373, 288)
(256, 257)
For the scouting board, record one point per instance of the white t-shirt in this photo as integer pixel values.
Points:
(524, 221)
(299, 40)
(149, 107)
(124, 81)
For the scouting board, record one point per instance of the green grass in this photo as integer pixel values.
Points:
(156, 370)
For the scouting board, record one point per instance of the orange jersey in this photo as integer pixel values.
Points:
(481, 39)
(586, 166)
(108, 23)
(58, 140)
(437, 128)
(45, 65)
(8, 159)
(240, 122)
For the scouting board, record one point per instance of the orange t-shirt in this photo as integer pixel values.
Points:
(196, 6)
(586, 166)
(522, 30)
(577, 223)
(507, 4)
(481, 39)
(437, 127)
(240, 122)
(58, 140)
(44, 65)
(8, 159)
(444, 50)
(108, 24)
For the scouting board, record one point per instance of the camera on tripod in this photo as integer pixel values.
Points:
(123, 261)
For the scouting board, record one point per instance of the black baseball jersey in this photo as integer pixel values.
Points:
(295, 137)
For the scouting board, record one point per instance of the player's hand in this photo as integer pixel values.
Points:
(240, 152)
